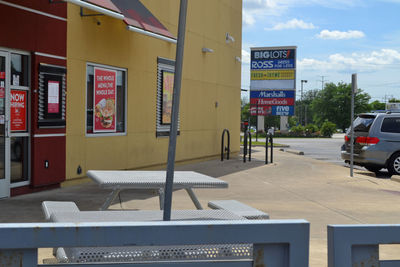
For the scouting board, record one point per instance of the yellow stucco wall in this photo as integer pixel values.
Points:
(207, 79)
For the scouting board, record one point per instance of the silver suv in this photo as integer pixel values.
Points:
(376, 142)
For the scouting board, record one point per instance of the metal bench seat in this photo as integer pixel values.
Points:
(70, 213)
(238, 208)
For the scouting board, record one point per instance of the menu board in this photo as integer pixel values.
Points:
(53, 97)
(18, 110)
(105, 100)
(167, 94)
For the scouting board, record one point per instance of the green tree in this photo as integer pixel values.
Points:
(328, 128)
(333, 103)
(304, 107)
(376, 105)
(245, 113)
(272, 121)
(293, 121)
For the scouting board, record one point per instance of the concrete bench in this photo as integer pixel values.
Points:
(238, 208)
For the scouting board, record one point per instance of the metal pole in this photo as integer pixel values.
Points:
(272, 148)
(305, 115)
(175, 111)
(222, 145)
(301, 104)
(245, 145)
(266, 146)
(353, 89)
(249, 146)
(257, 123)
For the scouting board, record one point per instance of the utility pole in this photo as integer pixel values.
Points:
(322, 81)
(305, 116)
(301, 99)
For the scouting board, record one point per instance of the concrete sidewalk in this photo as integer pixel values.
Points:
(293, 187)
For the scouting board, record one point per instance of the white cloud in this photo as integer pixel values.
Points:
(254, 10)
(245, 57)
(293, 24)
(338, 35)
(359, 62)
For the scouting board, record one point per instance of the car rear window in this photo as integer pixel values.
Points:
(363, 123)
(391, 125)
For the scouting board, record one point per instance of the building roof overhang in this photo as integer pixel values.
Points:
(136, 16)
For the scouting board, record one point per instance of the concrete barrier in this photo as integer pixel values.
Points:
(358, 245)
(274, 243)
(292, 151)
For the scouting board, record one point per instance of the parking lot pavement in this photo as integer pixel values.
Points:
(293, 187)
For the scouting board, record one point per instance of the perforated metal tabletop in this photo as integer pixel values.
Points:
(120, 180)
(154, 179)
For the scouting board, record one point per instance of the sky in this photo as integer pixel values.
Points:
(334, 39)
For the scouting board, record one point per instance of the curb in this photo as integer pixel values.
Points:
(396, 179)
(292, 151)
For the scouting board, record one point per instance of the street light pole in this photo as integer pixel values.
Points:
(353, 92)
(301, 99)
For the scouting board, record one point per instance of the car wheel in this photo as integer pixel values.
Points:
(373, 168)
(394, 164)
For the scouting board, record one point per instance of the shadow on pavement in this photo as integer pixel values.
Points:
(218, 168)
(88, 196)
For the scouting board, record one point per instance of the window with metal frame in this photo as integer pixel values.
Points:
(52, 96)
(105, 100)
(165, 89)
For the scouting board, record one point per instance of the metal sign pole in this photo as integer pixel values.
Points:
(353, 89)
(175, 111)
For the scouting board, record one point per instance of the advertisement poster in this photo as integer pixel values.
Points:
(273, 81)
(18, 110)
(105, 100)
(272, 64)
(2, 94)
(272, 74)
(53, 97)
(272, 94)
(271, 110)
(167, 93)
(272, 101)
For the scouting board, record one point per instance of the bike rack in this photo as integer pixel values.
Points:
(247, 135)
(271, 140)
(223, 148)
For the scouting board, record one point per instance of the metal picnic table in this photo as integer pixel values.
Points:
(121, 180)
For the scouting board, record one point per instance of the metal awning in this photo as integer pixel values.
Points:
(137, 17)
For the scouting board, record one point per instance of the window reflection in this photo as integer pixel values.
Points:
(19, 70)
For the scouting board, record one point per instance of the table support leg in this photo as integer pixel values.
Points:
(110, 199)
(194, 198)
(161, 196)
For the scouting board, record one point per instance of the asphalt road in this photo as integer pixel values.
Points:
(325, 149)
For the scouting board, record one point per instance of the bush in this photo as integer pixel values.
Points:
(297, 130)
(311, 128)
(328, 128)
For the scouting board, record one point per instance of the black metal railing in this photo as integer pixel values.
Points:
(225, 149)
(247, 136)
(269, 139)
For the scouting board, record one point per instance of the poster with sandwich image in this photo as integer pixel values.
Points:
(105, 100)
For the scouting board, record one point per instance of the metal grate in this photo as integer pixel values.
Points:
(160, 253)
(154, 179)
